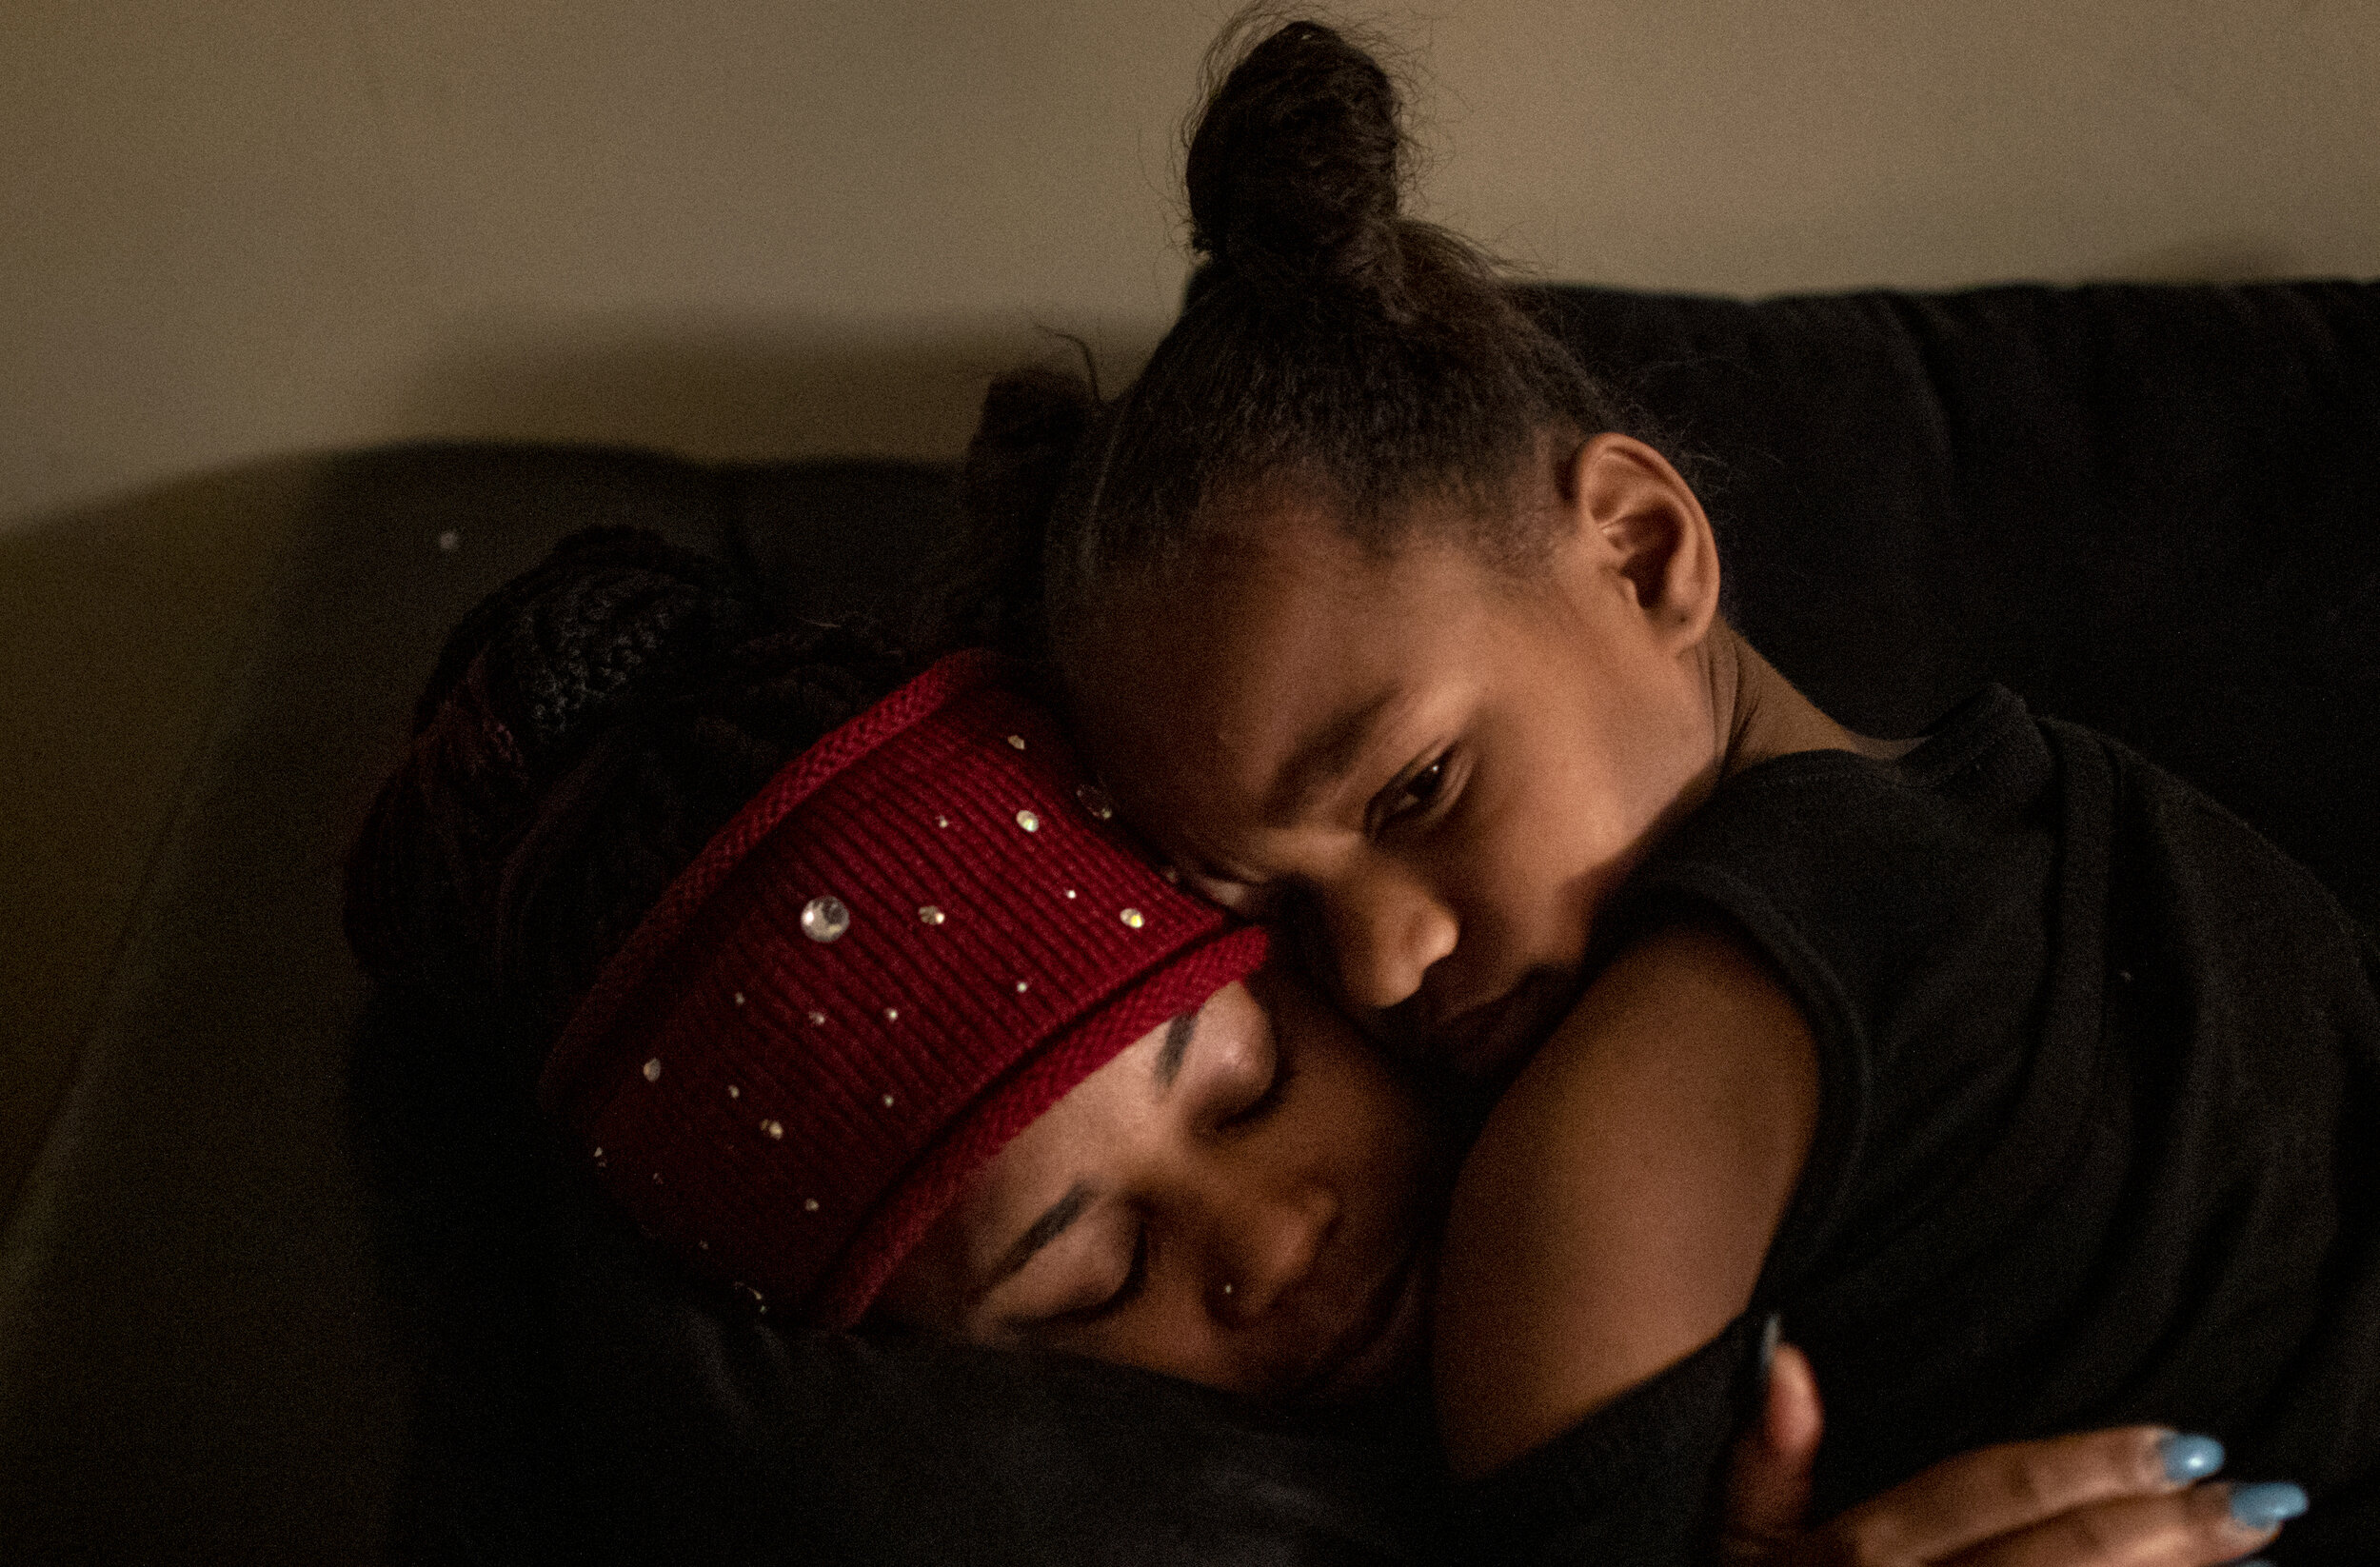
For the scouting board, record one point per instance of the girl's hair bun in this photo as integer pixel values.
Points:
(1368, 359)
(1296, 164)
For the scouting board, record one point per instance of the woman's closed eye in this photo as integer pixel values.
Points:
(1240, 1090)
(1248, 900)
(1268, 1098)
(1125, 1291)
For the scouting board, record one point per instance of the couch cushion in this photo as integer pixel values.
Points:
(2151, 509)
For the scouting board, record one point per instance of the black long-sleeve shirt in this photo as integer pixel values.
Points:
(2099, 1138)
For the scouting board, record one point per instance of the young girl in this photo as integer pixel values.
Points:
(865, 1012)
(2022, 1078)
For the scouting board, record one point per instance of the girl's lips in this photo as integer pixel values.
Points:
(1495, 1035)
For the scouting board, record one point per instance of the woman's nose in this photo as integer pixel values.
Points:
(1265, 1245)
(1385, 930)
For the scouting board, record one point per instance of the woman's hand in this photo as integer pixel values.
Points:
(2101, 1498)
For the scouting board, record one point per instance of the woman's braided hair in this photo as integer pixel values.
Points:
(588, 727)
(1328, 343)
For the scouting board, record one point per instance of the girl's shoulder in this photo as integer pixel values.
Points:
(1884, 892)
(1627, 1195)
(1617, 1210)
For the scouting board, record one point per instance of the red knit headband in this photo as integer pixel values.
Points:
(907, 948)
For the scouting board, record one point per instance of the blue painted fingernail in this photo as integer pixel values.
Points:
(2187, 1458)
(2263, 1506)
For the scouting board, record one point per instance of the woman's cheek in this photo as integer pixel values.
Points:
(1181, 1343)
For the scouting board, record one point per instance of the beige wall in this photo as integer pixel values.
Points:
(233, 228)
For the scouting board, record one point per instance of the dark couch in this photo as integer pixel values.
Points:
(239, 1320)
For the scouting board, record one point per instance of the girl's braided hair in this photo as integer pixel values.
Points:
(1329, 344)
(588, 727)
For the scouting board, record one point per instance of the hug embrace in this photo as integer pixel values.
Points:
(1369, 917)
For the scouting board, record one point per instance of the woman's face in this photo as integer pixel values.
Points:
(1249, 1197)
(1439, 770)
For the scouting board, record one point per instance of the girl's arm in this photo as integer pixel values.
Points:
(1613, 1215)
(1613, 1218)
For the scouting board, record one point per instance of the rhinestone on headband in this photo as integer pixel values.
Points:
(1095, 800)
(776, 1129)
(1029, 822)
(1131, 917)
(652, 1070)
(825, 918)
(1016, 742)
(931, 915)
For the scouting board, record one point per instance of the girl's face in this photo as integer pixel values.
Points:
(1438, 768)
(1247, 1198)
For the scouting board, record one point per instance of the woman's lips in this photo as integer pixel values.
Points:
(1379, 1344)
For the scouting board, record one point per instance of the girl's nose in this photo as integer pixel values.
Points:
(1385, 930)
(1265, 1243)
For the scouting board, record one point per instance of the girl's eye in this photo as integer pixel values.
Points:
(1418, 792)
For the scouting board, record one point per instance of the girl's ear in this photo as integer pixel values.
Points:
(1635, 518)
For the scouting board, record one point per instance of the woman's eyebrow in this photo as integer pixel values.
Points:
(1176, 1044)
(1046, 1229)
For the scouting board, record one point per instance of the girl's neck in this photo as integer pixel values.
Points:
(1757, 714)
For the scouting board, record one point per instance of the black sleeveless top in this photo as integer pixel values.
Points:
(2099, 1138)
